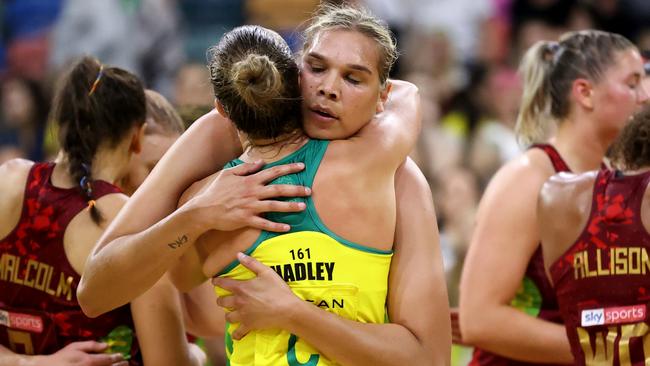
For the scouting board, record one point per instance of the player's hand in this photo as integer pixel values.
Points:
(263, 302)
(88, 353)
(237, 196)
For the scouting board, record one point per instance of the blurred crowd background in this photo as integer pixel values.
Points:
(463, 55)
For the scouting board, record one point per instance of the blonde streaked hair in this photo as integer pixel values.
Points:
(347, 17)
(549, 69)
(162, 118)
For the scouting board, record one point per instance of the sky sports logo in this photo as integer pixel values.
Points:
(616, 315)
(27, 322)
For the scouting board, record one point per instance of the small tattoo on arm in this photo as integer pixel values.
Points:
(178, 242)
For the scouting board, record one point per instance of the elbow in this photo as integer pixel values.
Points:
(433, 355)
(473, 329)
(433, 350)
(412, 94)
(433, 358)
(405, 87)
(471, 335)
(405, 91)
(85, 299)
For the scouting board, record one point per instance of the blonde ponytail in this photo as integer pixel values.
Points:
(549, 69)
(534, 111)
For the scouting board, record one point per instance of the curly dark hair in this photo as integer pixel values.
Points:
(631, 150)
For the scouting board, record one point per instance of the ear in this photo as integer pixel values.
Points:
(220, 108)
(137, 138)
(583, 92)
(383, 96)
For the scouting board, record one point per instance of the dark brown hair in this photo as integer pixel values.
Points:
(255, 78)
(549, 69)
(631, 150)
(95, 106)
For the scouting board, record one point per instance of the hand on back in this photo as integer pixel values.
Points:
(236, 197)
(263, 302)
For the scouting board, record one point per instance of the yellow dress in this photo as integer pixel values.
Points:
(320, 267)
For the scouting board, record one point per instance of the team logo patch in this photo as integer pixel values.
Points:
(4, 318)
(26, 322)
(614, 315)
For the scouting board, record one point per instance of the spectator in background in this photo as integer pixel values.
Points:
(494, 142)
(625, 17)
(3, 47)
(397, 16)
(27, 25)
(543, 20)
(205, 21)
(192, 87)
(553, 13)
(138, 35)
(456, 199)
(284, 16)
(25, 107)
(463, 21)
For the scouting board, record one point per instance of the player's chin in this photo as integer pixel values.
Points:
(320, 133)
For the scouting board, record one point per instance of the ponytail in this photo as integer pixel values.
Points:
(549, 69)
(534, 111)
(95, 106)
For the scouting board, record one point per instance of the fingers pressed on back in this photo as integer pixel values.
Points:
(251, 263)
(246, 168)
(227, 284)
(240, 332)
(283, 190)
(277, 206)
(264, 224)
(270, 174)
(226, 302)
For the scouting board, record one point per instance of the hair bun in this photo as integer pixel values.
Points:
(256, 79)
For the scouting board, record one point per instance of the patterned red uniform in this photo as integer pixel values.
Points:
(603, 280)
(535, 295)
(39, 312)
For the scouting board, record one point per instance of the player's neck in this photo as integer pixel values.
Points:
(107, 165)
(272, 149)
(580, 146)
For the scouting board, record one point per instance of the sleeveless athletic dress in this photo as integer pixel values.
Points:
(39, 312)
(320, 267)
(603, 280)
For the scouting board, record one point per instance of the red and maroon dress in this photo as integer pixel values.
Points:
(603, 280)
(535, 296)
(39, 312)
